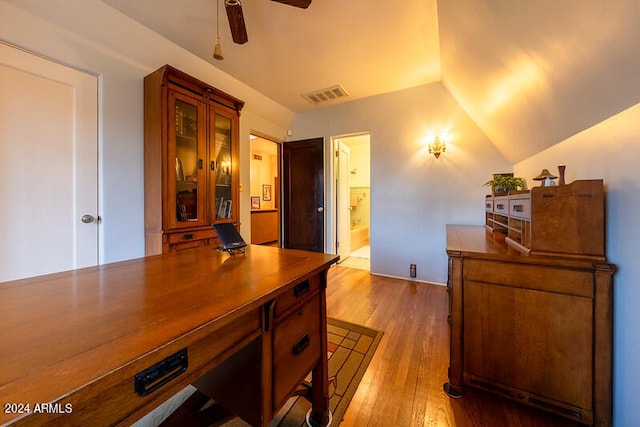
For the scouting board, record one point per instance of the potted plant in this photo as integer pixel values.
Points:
(504, 183)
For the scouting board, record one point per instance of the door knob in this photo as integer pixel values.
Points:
(88, 219)
(320, 209)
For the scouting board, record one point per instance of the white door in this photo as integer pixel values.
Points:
(48, 166)
(344, 203)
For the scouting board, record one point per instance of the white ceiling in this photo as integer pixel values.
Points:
(533, 73)
(529, 73)
(367, 46)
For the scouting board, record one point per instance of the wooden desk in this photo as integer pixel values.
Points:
(534, 329)
(73, 342)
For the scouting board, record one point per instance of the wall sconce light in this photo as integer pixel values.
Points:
(225, 167)
(437, 147)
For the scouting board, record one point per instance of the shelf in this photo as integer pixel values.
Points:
(187, 144)
(563, 220)
(513, 223)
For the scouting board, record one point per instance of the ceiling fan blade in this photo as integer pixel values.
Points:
(236, 21)
(297, 3)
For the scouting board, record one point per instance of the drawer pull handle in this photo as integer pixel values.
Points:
(187, 236)
(301, 345)
(301, 289)
(154, 377)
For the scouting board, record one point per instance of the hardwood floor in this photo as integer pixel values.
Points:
(403, 384)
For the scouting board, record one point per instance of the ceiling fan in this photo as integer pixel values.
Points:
(236, 18)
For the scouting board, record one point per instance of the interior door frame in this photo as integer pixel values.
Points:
(342, 153)
(332, 211)
(277, 184)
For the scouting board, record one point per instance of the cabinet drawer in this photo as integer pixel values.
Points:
(296, 296)
(537, 277)
(296, 349)
(188, 236)
(501, 204)
(488, 204)
(520, 208)
(189, 239)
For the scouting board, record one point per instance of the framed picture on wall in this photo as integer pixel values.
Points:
(255, 202)
(266, 192)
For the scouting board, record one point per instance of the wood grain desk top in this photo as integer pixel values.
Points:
(61, 333)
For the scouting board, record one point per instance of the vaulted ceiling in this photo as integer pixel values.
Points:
(529, 73)
(533, 73)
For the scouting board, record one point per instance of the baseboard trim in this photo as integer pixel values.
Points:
(410, 279)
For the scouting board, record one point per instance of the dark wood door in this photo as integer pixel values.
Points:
(303, 194)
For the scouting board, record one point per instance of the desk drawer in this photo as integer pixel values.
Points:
(296, 349)
(296, 296)
(112, 399)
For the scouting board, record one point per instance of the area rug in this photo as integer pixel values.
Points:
(350, 349)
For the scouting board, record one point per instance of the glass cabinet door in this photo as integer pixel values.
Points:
(222, 166)
(186, 151)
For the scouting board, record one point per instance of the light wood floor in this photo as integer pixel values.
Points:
(403, 384)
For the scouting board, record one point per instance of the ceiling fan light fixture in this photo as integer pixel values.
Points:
(236, 21)
(303, 4)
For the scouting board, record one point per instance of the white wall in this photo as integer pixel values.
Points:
(413, 194)
(91, 36)
(611, 151)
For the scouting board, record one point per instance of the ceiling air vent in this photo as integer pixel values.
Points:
(325, 95)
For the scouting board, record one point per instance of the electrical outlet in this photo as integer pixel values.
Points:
(412, 270)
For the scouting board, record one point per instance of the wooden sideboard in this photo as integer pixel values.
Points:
(107, 344)
(535, 329)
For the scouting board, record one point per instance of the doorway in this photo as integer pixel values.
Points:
(48, 166)
(265, 191)
(303, 194)
(353, 195)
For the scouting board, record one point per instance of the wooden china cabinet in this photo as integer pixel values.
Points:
(191, 132)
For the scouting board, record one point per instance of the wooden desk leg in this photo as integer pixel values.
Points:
(320, 415)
